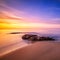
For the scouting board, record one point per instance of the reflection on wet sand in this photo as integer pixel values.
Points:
(36, 51)
(10, 42)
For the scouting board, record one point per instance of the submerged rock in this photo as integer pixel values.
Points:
(14, 33)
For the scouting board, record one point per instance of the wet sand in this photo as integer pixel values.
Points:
(36, 51)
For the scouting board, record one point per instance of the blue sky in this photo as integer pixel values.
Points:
(46, 11)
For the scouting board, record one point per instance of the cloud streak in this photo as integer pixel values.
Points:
(11, 17)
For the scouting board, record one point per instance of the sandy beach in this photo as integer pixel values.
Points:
(36, 51)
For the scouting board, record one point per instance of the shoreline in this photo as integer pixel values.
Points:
(36, 51)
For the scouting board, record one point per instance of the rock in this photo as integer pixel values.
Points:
(34, 38)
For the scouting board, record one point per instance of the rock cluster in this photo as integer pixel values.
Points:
(31, 37)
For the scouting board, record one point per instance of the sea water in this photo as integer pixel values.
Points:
(10, 42)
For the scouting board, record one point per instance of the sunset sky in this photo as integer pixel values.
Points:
(40, 17)
(29, 14)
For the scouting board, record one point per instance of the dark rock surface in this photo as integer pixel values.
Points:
(30, 37)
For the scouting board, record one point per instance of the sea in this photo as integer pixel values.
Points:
(11, 39)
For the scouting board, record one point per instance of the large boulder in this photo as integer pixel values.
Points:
(29, 37)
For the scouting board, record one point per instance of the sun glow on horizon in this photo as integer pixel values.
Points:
(17, 25)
